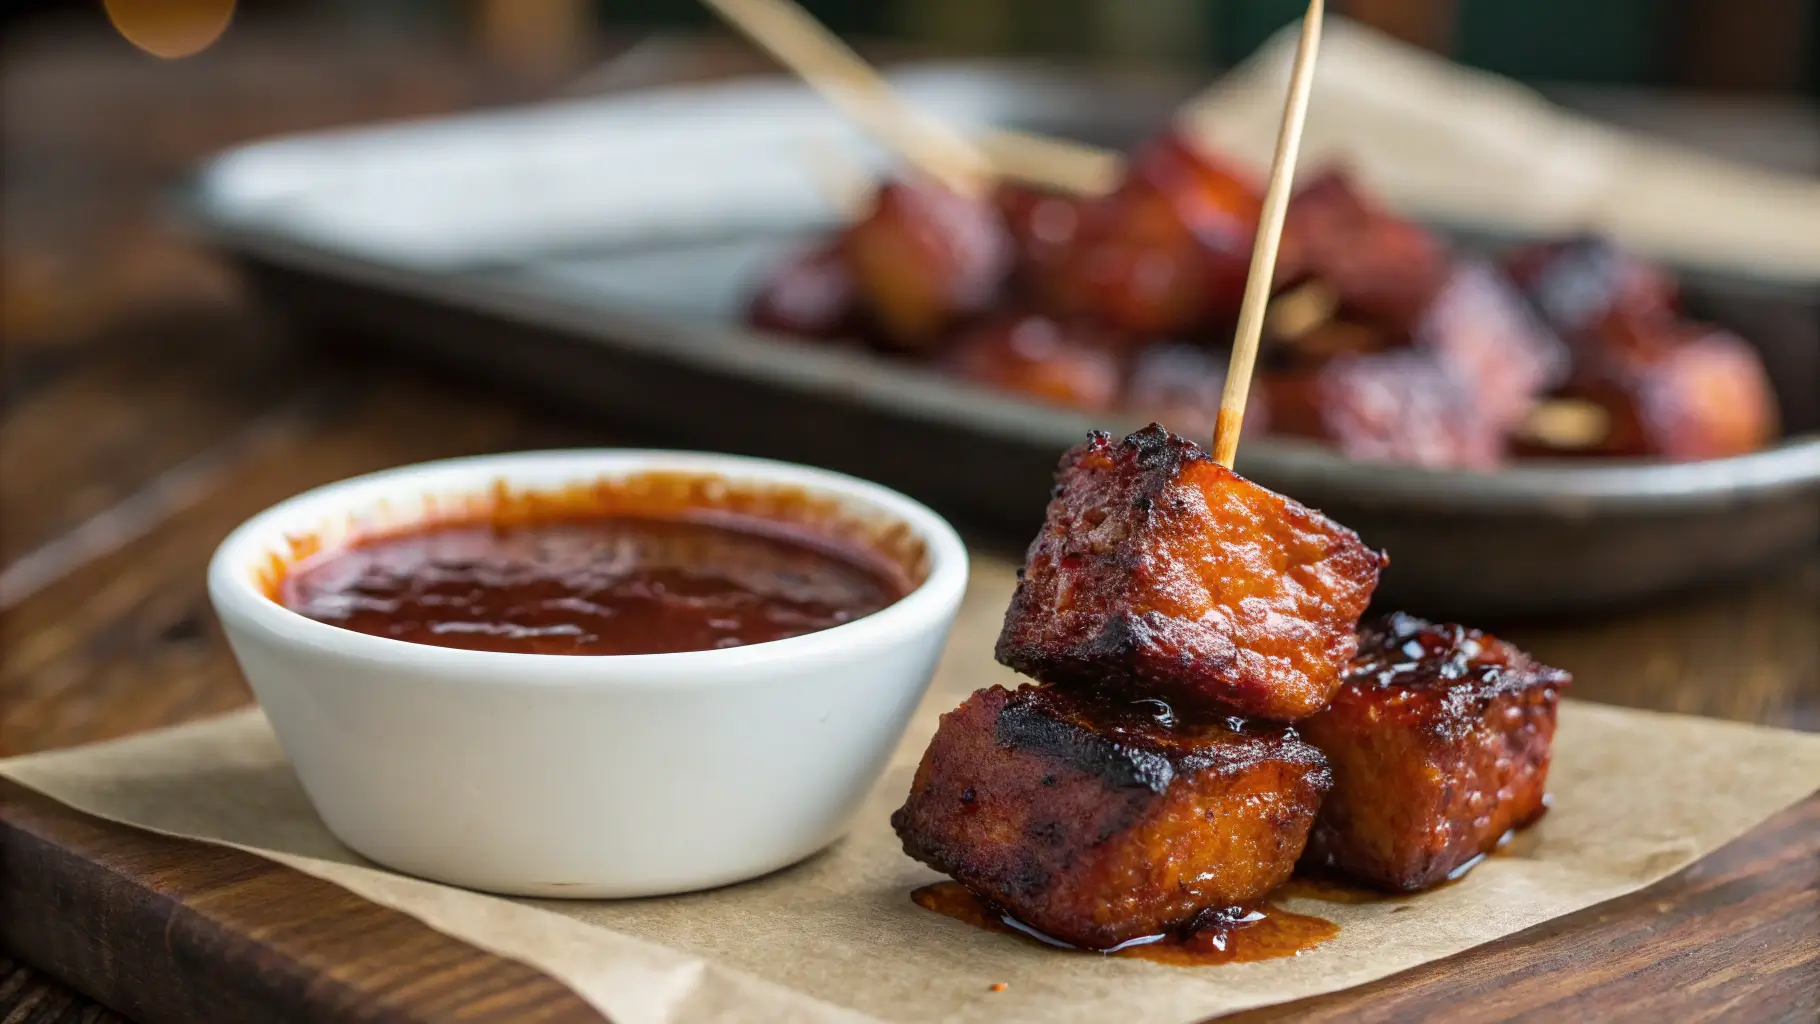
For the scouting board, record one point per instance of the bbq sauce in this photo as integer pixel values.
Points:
(1267, 934)
(593, 584)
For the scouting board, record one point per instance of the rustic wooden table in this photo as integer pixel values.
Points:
(145, 410)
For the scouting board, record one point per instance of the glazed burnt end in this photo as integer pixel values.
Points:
(1096, 823)
(1705, 395)
(1440, 741)
(1382, 270)
(1599, 298)
(1159, 573)
(1166, 253)
(1400, 406)
(924, 258)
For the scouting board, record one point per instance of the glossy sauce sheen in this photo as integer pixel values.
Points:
(600, 584)
(1265, 935)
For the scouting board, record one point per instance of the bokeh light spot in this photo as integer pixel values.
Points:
(170, 28)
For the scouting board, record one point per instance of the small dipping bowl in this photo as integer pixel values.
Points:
(586, 775)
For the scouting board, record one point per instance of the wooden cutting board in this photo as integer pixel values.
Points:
(167, 929)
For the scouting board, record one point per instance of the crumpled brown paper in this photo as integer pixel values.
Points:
(1637, 796)
(1444, 142)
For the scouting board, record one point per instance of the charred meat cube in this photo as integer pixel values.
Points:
(1099, 822)
(1035, 356)
(1381, 270)
(1596, 296)
(1160, 573)
(1165, 253)
(925, 257)
(1440, 742)
(1645, 383)
(809, 295)
(1399, 406)
(1482, 332)
(1704, 396)
(1180, 385)
(1444, 394)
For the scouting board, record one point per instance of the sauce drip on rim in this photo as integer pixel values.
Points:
(593, 584)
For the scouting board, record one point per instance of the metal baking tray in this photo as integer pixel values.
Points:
(598, 251)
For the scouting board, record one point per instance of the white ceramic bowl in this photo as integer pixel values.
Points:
(581, 776)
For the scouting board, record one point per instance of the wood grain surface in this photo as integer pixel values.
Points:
(145, 410)
(167, 929)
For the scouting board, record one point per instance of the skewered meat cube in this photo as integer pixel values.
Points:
(1704, 396)
(1166, 252)
(1099, 822)
(1397, 406)
(1440, 742)
(925, 257)
(810, 295)
(1160, 573)
(1482, 332)
(1180, 385)
(1381, 270)
(1036, 356)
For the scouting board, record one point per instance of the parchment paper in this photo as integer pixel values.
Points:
(1441, 141)
(1637, 796)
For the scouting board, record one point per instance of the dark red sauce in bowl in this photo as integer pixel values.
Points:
(657, 569)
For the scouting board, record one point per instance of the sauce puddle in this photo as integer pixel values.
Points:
(1267, 934)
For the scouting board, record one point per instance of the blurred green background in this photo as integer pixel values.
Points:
(1762, 46)
(1759, 45)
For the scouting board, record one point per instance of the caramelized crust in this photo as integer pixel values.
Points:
(1440, 742)
(1099, 821)
(1160, 573)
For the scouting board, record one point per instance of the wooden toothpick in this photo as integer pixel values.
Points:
(1058, 165)
(830, 67)
(1264, 251)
